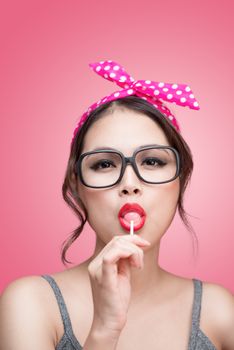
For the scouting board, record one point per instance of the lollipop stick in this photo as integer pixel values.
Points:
(131, 227)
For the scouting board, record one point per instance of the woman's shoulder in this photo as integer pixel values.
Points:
(27, 293)
(219, 301)
(217, 310)
(22, 308)
(32, 288)
(35, 289)
(218, 305)
(213, 292)
(25, 288)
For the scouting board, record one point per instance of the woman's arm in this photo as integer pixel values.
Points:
(100, 338)
(24, 322)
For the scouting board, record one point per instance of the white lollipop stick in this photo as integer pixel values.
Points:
(131, 227)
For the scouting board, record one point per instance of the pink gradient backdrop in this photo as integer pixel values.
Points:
(46, 85)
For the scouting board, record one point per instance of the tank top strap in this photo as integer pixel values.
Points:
(61, 303)
(196, 311)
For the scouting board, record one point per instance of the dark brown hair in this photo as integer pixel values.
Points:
(175, 139)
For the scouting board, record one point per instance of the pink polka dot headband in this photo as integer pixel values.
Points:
(151, 91)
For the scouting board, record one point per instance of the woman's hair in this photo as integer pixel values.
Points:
(133, 103)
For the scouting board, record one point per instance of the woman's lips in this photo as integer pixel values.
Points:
(132, 211)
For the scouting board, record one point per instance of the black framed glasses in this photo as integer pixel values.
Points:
(105, 168)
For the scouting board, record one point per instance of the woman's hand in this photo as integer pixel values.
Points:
(109, 274)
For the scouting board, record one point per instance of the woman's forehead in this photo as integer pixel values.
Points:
(124, 130)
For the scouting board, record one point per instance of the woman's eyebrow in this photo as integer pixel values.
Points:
(103, 147)
(114, 149)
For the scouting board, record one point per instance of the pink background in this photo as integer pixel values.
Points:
(46, 85)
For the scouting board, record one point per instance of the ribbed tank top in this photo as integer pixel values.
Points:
(197, 340)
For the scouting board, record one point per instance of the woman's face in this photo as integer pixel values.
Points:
(126, 130)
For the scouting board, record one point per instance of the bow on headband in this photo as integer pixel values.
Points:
(151, 91)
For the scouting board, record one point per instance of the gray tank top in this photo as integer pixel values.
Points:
(197, 340)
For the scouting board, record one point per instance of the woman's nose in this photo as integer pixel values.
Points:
(130, 183)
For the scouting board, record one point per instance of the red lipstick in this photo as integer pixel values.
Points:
(132, 211)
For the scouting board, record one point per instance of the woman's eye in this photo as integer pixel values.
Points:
(103, 164)
(154, 162)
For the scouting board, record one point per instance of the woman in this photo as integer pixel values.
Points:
(127, 173)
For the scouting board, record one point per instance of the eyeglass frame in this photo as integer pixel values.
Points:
(125, 162)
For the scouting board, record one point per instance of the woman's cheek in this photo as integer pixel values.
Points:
(164, 207)
(97, 213)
